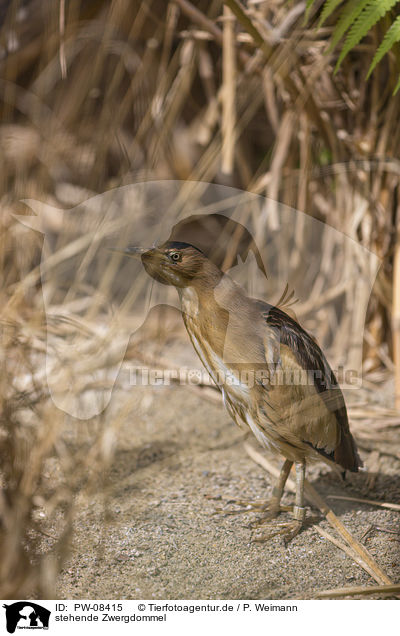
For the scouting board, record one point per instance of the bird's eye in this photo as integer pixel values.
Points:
(175, 256)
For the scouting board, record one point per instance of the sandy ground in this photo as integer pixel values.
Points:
(153, 529)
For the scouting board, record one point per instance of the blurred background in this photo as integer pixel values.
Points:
(98, 95)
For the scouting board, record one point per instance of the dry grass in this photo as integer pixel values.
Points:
(96, 95)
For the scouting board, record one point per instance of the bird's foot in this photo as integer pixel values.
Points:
(270, 511)
(288, 530)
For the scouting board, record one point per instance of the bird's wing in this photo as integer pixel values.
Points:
(287, 345)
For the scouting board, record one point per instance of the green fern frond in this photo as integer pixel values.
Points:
(329, 7)
(309, 5)
(348, 16)
(392, 35)
(354, 20)
(372, 13)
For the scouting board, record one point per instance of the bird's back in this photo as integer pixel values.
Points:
(325, 407)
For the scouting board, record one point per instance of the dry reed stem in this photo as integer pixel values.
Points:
(198, 16)
(387, 590)
(63, 61)
(281, 151)
(248, 25)
(314, 498)
(229, 91)
(346, 548)
(380, 504)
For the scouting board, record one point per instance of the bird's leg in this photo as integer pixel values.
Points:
(274, 506)
(277, 492)
(291, 528)
(299, 511)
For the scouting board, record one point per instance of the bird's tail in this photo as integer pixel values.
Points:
(346, 454)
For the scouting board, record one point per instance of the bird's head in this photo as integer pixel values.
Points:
(173, 263)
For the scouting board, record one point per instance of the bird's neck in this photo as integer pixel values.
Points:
(209, 306)
(212, 294)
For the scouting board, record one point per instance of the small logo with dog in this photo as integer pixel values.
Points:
(26, 615)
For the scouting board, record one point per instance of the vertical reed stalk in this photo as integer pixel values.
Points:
(228, 92)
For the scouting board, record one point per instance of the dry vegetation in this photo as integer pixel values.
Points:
(96, 95)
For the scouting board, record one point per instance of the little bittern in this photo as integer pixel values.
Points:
(273, 377)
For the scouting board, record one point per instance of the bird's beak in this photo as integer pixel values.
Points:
(133, 252)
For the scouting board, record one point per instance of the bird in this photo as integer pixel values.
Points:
(274, 378)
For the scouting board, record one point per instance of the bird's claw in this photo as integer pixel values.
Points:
(271, 512)
(289, 530)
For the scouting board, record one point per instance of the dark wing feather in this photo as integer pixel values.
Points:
(311, 358)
